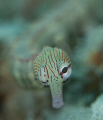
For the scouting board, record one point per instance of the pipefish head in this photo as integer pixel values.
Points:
(52, 68)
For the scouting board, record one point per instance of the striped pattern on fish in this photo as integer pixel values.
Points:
(52, 67)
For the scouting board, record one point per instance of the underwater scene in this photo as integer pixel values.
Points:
(51, 59)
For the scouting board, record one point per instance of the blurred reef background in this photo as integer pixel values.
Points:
(75, 26)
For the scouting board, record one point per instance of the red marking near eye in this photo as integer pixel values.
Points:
(69, 66)
(44, 75)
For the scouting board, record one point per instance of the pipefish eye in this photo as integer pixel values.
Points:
(65, 70)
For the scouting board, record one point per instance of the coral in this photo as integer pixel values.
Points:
(97, 108)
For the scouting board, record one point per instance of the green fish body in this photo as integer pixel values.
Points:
(52, 67)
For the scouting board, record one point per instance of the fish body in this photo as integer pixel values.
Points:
(52, 67)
